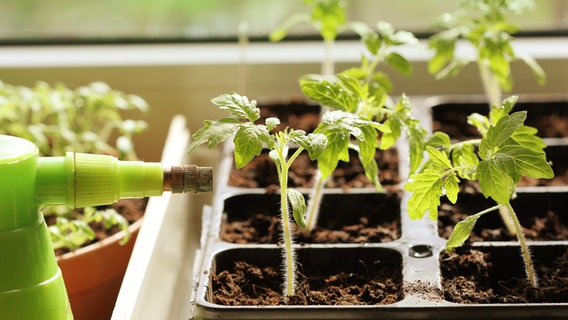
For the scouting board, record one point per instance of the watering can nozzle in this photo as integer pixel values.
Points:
(188, 179)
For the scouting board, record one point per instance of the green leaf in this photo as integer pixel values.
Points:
(439, 158)
(214, 132)
(337, 149)
(239, 106)
(451, 185)
(494, 182)
(465, 158)
(314, 143)
(367, 150)
(498, 112)
(328, 16)
(426, 188)
(443, 44)
(536, 69)
(327, 93)
(282, 31)
(498, 135)
(389, 139)
(404, 37)
(527, 137)
(399, 63)
(298, 204)
(527, 161)
(271, 123)
(479, 121)
(439, 140)
(248, 143)
(461, 232)
(452, 68)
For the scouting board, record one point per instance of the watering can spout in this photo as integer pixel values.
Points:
(80, 180)
(31, 283)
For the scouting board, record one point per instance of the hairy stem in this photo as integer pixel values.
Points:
(493, 93)
(288, 251)
(529, 269)
(314, 202)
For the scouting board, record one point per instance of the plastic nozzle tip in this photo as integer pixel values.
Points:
(188, 179)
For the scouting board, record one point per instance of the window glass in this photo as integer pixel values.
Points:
(205, 20)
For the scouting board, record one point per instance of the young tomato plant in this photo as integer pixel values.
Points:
(250, 139)
(361, 93)
(507, 151)
(483, 24)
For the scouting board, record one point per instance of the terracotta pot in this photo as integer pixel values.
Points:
(93, 275)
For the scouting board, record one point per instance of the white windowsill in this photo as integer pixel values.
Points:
(256, 53)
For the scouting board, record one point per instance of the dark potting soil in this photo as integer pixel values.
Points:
(296, 114)
(543, 226)
(261, 172)
(474, 277)
(551, 119)
(251, 285)
(344, 218)
(261, 228)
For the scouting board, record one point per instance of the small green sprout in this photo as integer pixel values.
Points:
(250, 139)
(507, 151)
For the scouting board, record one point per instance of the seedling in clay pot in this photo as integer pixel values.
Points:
(507, 151)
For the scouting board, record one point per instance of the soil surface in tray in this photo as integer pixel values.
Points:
(348, 218)
(467, 278)
(548, 226)
(251, 285)
(551, 119)
(261, 172)
(261, 228)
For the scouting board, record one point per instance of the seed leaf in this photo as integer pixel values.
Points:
(298, 204)
(461, 232)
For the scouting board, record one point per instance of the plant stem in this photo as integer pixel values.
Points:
(327, 67)
(529, 269)
(490, 84)
(314, 202)
(289, 254)
(493, 92)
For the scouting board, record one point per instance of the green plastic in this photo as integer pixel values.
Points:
(80, 180)
(31, 283)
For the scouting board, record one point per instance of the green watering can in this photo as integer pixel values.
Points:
(31, 283)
